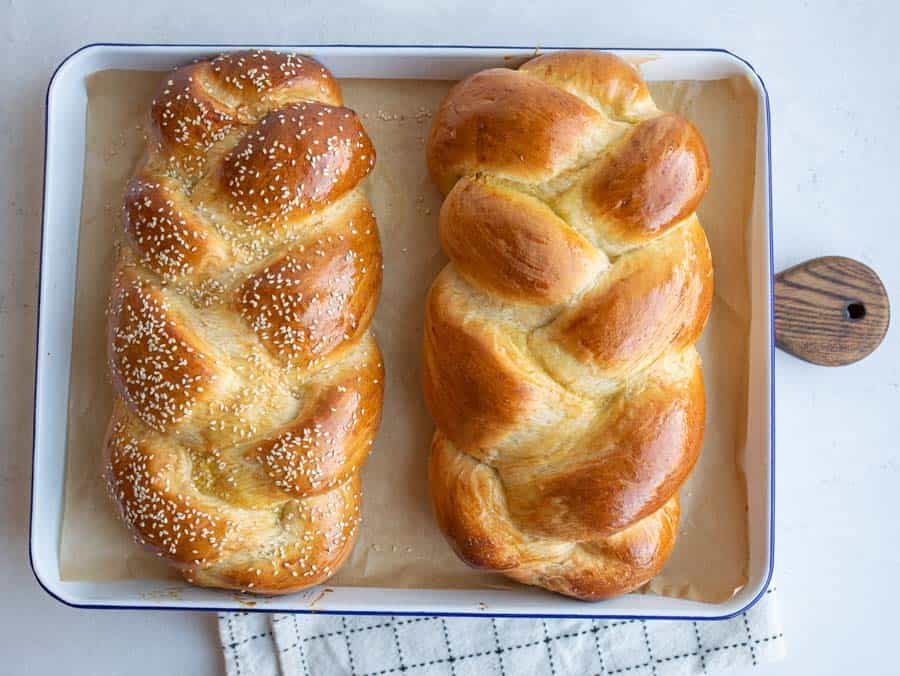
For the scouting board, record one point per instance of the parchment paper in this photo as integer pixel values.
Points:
(400, 545)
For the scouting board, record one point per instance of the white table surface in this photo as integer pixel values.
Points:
(832, 72)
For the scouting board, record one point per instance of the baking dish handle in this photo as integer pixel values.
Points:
(830, 311)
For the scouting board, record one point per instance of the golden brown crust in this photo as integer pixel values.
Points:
(297, 160)
(159, 365)
(326, 445)
(187, 121)
(470, 508)
(514, 245)
(558, 359)
(169, 521)
(603, 80)
(198, 106)
(507, 125)
(248, 387)
(651, 182)
(650, 301)
(314, 297)
(264, 77)
(165, 230)
(317, 533)
(476, 404)
(634, 457)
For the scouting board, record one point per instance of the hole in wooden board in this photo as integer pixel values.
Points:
(856, 311)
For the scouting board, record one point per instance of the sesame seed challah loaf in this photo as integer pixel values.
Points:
(559, 358)
(248, 387)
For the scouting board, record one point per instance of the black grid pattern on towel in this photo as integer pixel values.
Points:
(382, 645)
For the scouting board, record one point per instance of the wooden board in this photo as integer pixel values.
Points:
(830, 311)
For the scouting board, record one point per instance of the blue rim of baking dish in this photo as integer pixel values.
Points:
(771, 561)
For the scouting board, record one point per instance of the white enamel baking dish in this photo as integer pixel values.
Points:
(64, 165)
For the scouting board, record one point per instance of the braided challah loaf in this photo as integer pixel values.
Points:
(559, 359)
(248, 388)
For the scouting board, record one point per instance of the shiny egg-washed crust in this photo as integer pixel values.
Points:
(248, 387)
(559, 358)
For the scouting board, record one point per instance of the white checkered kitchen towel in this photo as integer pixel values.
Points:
(259, 644)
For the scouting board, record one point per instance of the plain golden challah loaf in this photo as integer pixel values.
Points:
(248, 387)
(559, 359)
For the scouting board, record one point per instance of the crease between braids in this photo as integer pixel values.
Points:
(248, 385)
(559, 364)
